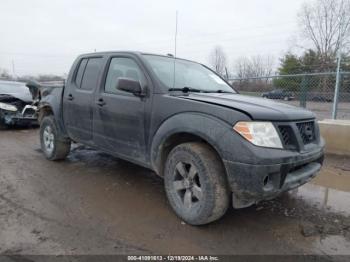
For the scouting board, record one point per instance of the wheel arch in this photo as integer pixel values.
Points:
(46, 109)
(194, 128)
(43, 111)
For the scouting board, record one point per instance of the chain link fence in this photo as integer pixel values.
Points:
(312, 91)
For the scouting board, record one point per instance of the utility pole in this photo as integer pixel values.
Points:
(226, 73)
(176, 33)
(13, 69)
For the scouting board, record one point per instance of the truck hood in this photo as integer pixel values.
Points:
(256, 108)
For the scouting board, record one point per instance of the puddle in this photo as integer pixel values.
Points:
(324, 198)
(333, 245)
(321, 211)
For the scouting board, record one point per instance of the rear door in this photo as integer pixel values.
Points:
(119, 116)
(78, 99)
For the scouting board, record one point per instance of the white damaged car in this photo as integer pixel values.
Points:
(17, 105)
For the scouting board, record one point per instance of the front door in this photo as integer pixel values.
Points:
(119, 116)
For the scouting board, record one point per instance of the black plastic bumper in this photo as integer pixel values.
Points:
(253, 183)
(23, 121)
(19, 121)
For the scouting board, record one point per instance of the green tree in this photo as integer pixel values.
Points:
(290, 65)
(310, 62)
(345, 80)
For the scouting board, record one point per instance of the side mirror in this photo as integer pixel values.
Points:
(130, 85)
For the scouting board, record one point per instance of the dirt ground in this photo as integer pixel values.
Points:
(93, 203)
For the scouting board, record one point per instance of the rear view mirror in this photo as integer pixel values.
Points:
(129, 85)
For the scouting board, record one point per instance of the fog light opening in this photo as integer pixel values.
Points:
(267, 183)
(266, 180)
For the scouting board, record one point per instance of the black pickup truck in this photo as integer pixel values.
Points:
(211, 145)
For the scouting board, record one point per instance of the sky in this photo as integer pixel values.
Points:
(44, 37)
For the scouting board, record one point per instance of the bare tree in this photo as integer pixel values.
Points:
(255, 66)
(326, 24)
(252, 73)
(242, 68)
(49, 77)
(218, 61)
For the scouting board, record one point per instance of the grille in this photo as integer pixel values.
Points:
(284, 130)
(307, 132)
(287, 137)
(29, 112)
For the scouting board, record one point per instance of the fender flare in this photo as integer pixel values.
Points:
(44, 105)
(206, 127)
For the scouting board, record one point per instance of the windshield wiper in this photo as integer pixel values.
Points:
(190, 89)
(186, 89)
(222, 91)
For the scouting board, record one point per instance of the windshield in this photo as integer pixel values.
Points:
(187, 74)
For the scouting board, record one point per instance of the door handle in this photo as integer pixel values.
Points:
(101, 102)
(70, 97)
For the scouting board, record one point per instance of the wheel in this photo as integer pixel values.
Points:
(53, 145)
(195, 183)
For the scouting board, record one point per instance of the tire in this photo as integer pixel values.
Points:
(53, 145)
(195, 183)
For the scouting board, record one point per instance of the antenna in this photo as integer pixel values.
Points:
(175, 47)
(176, 33)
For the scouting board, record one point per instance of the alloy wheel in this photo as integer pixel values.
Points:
(48, 139)
(187, 185)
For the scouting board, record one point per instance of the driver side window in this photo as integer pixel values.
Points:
(122, 67)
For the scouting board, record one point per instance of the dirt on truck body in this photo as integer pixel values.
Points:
(211, 145)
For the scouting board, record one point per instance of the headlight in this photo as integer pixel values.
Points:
(8, 107)
(259, 133)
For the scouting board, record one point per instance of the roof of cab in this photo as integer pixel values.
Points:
(138, 53)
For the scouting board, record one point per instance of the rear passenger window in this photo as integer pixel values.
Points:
(80, 72)
(122, 67)
(91, 74)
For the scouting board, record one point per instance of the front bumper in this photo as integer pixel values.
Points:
(252, 183)
(27, 116)
(22, 121)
